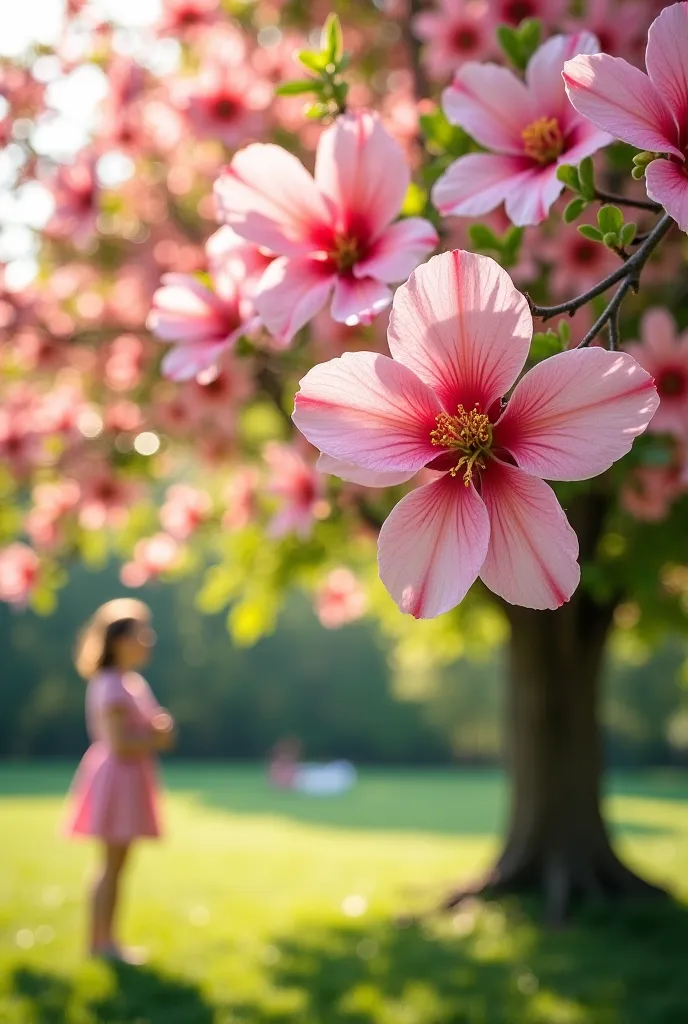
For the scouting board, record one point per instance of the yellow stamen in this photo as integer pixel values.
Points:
(542, 140)
(345, 252)
(468, 432)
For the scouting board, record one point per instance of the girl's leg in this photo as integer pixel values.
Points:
(104, 896)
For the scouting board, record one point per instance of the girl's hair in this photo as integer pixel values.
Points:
(95, 643)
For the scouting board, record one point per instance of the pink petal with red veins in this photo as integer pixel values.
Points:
(268, 197)
(462, 327)
(491, 104)
(531, 559)
(573, 415)
(621, 100)
(667, 183)
(364, 477)
(362, 169)
(432, 546)
(666, 59)
(185, 310)
(543, 74)
(475, 184)
(291, 292)
(366, 409)
(583, 140)
(531, 198)
(358, 301)
(398, 251)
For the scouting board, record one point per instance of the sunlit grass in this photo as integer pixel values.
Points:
(264, 907)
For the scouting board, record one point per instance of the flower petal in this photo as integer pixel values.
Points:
(184, 362)
(475, 184)
(398, 250)
(291, 292)
(185, 310)
(532, 195)
(621, 100)
(491, 104)
(268, 197)
(576, 413)
(356, 475)
(462, 327)
(432, 545)
(583, 140)
(362, 169)
(666, 59)
(366, 409)
(667, 184)
(358, 301)
(531, 558)
(543, 74)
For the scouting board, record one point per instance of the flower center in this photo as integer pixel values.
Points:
(542, 140)
(464, 38)
(671, 384)
(225, 108)
(468, 432)
(345, 251)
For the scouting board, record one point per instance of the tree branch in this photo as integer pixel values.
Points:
(629, 272)
(610, 316)
(637, 204)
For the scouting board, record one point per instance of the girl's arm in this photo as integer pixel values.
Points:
(123, 742)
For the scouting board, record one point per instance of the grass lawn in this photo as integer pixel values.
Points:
(267, 908)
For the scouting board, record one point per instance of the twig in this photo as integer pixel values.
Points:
(637, 204)
(631, 269)
(610, 316)
(420, 81)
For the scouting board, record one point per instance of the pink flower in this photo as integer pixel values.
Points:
(457, 31)
(224, 102)
(650, 491)
(513, 12)
(530, 128)
(200, 323)
(19, 571)
(459, 336)
(229, 254)
(75, 191)
(179, 16)
(339, 599)
(576, 262)
(332, 234)
(184, 510)
(152, 557)
(105, 498)
(240, 497)
(664, 354)
(52, 504)
(616, 23)
(648, 111)
(298, 486)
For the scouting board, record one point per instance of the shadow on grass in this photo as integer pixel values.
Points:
(492, 965)
(138, 994)
(506, 971)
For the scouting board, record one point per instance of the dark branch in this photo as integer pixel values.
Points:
(636, 204)
(420, 82)
(630, 270)
(610, 316)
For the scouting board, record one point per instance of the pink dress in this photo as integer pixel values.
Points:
(115, 797)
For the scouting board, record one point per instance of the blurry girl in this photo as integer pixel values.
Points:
(114, 793)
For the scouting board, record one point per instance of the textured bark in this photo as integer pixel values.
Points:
(557, 843)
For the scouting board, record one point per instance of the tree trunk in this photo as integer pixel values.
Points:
(557, 843)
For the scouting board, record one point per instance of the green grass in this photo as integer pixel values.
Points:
(268, 908)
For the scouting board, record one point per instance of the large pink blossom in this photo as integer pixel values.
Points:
(529, 127)
(333, 233)
(664, 354)
(650, 110)
(459, 336)
(200, 323)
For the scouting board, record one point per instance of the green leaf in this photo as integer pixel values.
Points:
(590, 232)
(574, 209)
(414, 201)
(441, 136)
(313, 61)
(611, 239)
(511, 245)
(586, 174)
(569, 175)
(318, 111)
(332, 39)
(610, 219)
(483, 237)
(564, 332)
(529, 33)
(543, 346)
(628, 233)
(511, 44)
(298, 87)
